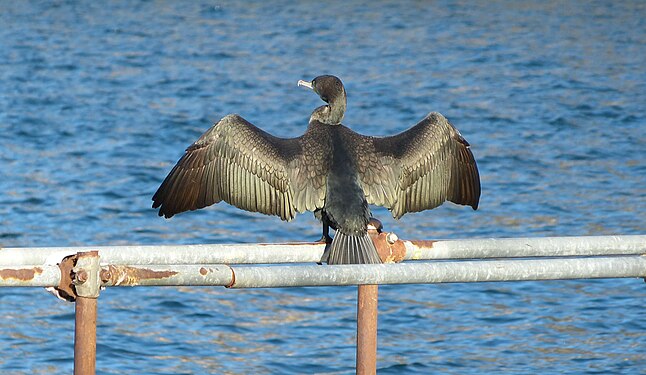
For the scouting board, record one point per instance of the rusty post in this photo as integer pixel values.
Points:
(87, 283)
(367, 301)
(85, 336)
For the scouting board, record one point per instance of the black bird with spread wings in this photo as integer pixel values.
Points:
(330, 170)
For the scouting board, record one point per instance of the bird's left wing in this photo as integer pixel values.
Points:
(419, 168)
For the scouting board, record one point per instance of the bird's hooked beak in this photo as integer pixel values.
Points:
(305, 84)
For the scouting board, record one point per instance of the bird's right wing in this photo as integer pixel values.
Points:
(239, 163)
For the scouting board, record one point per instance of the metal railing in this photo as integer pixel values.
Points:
(77, 273)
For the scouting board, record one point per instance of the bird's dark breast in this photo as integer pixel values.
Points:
(345, 203)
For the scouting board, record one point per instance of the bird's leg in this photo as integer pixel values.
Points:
(328, 240)
(326, 234)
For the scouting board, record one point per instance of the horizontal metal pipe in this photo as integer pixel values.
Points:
(172, 254)
(313, 275)
(441, 272)
(160, 275)
(30, 275)
(312, 252)
(483, 248)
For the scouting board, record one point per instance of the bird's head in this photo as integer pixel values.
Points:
(330, 89)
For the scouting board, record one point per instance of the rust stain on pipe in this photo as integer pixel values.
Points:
(423, 243)
(389, 253)
(24, 274)
(286, 244)
(66, 288)
(233, 278)
(417, 246)
(127, 275)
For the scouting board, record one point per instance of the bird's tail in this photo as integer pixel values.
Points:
(352, 249)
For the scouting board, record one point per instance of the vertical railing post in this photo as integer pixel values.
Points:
(85, 336)
(87, 284)
(367, 300)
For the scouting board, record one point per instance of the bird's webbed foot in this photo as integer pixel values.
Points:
(325, 238)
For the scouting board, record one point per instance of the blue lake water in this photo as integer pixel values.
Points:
(98, 100)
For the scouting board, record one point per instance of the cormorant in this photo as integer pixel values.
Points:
(330, 170)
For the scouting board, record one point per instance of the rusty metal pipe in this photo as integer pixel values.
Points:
(85, 336)
(86, 271)
(367, 301)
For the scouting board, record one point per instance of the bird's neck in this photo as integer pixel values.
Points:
(331, 114)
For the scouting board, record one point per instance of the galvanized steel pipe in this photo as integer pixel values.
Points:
(483, 248)
(164, 275)
(312, 252)
(29, 275)
(313, 275)
(172, 254)
(441, 272)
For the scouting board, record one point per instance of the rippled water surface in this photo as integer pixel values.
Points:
(99, 99)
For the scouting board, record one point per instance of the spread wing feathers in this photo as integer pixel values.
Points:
(236, 162)
(309, 169)
(421, 168)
